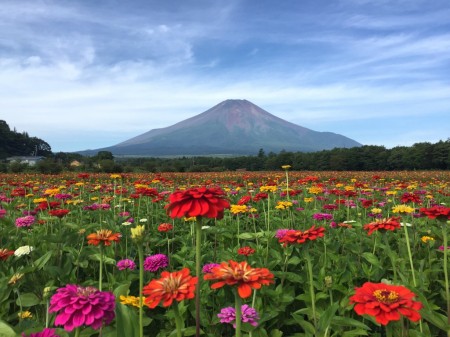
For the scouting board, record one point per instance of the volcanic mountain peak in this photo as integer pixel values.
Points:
(232, 127)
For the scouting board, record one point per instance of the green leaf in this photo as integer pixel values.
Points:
(127, 321)
(6, 330)
(42, 261)
(372, 259)
(325, 319)
(27, 300)
(356, 332)
(276, 333)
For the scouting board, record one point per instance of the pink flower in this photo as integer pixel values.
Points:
(2, 212)
(126, 264)
(25, 221)
(82, 306)
(155, 262)
(44, 333)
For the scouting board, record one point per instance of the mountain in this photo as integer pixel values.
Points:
(232, 127)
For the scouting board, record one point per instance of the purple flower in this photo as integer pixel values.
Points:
(442, 248)
(44, 333)
(82, 306)
(63, 196)
(322, 216)
(126, 264)
(155, 262)
(248, 315)
(208, 267)
(25, 221)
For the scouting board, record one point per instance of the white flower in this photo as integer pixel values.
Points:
(126, 223)
(405, 224)
(24, 250)
(205, 227)
(143, 220)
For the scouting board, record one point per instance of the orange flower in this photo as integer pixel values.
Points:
(104, 236)
(386, 302)
(293, 236)
(383, 224)
(178, 286)
(240, 273)
(5, 253)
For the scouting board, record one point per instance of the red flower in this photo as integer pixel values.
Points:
(386, 302)
(410, 197)
(383, 224)
(439, 212)
(240, 274)
(246, 251)
(297, 236)
(177, 286)
(165, 227)
(60, 213)
(244, 200)
(104, 236)
(197, 202)
(5, 253)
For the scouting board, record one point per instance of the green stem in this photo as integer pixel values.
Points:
(141, 286)
(238, 314)
(100, 274)
(311, 287)
(408, 246)
(178, 321)
(77, 332)
(447, 285)
(198, 261)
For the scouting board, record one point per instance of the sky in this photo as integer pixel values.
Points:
(85, 74)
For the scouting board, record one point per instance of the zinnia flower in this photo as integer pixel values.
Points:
(240, 274)
(297, 236)
(2, 212)
(126, 264)
(24, 250)
(5, 253)
(248, 315)
(104, 236)
(155, 262)
(383, 225)
(177, 286)
(82, 306)
(44, 333)
(165, 227)
(60, 213)
(246, 251)
(386, 302)
(208, 267)
(194, 202)
(439, 212)
(25, 221)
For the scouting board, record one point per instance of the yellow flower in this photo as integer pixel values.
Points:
(237, 209)
(94, 198)
(252, 210)
(131, 300)
(426, 239)
(79, 184)
(308, 200)
(353, 180)
(268, 188)
(115, 176)
(15, 278)
(25, 314)
(349, 188)
(283, 204)
(315, 190)
(39, 200)
(286, 167)
(339, 185)
(391, 192)
(137, 232)
(402, 209)
(29, 195)
(51, 191)
(376, 210)
(190, 219)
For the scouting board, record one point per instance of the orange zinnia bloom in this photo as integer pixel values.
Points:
(178, 286)
(240, 274)
(383, 224)
(104, 236)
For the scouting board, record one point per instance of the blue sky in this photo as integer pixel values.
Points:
(87, 74)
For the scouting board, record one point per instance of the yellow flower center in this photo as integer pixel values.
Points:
(386, 296)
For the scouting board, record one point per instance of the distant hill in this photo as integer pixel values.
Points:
(232, 127)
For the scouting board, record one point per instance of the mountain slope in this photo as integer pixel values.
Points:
(232, 127)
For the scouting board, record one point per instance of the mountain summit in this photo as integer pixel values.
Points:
(232, 127)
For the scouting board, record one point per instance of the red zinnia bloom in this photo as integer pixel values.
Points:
(165, 227)
(439, 212)
(104, 236)
(410, 197)
(386, 302)
(178, 286)
(246, 251)
(244, 200)
(5, 253)
(240, 274)
(197, 202)
(297, 236)
(383, 224)
(60, 213)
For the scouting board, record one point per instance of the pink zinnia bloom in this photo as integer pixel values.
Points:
(25, 221)
(44, 333)
(126, 264)
(82, 306)
(2, 212)
(155, 262)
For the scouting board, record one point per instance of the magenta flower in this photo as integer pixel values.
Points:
(82, 306)
(322, 216)
(155, 262)
(2, 212)
(280, 233)
(208, 267)
(25, 221)
(248, 315)
(126, 264)
(44, 333)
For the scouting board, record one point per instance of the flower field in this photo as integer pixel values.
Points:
(266, 254)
